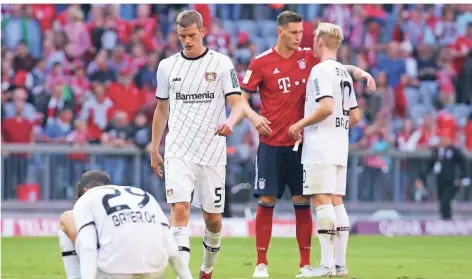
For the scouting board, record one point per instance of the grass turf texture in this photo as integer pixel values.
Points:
(369, 257)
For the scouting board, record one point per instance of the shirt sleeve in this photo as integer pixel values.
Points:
(321, 83)
(162, 90)
(353, 99)
(230, 81)
(83, 214)
(252, 79)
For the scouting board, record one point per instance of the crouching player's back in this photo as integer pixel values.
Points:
(119, 232)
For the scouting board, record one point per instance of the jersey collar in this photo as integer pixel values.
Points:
(194, 58)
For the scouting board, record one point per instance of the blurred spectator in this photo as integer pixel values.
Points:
(468, 133)
(117, 134)
(381, 99)
(125, 95)
(78, 137)
(18, 27)
(393, 65)
(446, 30)
(464, 90)
(99, 70)
(57, 129)
(23, 60)
(16, 129)
(146, 75)
(28, 111)
(96, 112)
(218, 39)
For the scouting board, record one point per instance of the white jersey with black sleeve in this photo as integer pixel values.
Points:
(132, 232)
(196, 88)
(328, 141)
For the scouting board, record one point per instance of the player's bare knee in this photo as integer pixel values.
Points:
(180, 214)
(212, 221)
(321, 199)
(301, 199)
(336, 200)
(268, 201)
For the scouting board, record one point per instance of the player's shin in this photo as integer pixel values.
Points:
(211, 248)
(342, 235)
(181, 236)
(264, 216)
(304, 225)
(326, 224)
(69, 256)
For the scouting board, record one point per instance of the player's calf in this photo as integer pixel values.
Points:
(180, 214)
(342, 235)
(211, 243)
(304, 228)
(326, 224)
(69, 256)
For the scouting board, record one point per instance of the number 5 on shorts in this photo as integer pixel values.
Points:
(218, 195)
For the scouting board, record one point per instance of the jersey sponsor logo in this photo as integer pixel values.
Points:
(317, 87)
(247, 76)
(234, 79)
(176, 79)
(210, 76)
(206, 97)
(284, 84)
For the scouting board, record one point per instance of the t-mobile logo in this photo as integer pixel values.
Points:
(284, 83)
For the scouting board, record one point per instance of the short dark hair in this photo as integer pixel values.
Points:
(189, 17)
(91, 179)
(287, 17)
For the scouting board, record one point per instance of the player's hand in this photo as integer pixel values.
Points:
(157, 162)
(295, 131)
(261, 124)
(370, 81)
(224, 129)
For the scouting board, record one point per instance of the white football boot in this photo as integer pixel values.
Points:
(262, 271)
(341, 271)
(305, 272)
(323, 271)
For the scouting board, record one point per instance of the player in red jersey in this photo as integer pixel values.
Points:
(280, 74)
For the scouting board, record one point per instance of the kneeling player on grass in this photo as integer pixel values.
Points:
(116, 232)
(330, 109)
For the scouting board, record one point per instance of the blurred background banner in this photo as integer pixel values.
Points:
(78, 93)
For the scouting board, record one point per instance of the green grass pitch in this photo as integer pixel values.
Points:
(369, 257)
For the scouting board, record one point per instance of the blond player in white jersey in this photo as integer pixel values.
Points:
(330, 109)
(193, 87)
(116, 232)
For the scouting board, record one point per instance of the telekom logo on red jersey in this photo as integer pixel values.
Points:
(284, 83)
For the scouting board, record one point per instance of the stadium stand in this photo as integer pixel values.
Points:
(75, 75)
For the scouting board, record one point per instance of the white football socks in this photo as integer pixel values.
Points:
(326, 225)
(211, 248)
(181, 236)
(342, 235)
(69, 256)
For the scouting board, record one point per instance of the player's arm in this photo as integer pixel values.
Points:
(67, 225)
(159, 120)
(360, 74)
(250, 84)
(323, 95)
(86, 241)
(161, 113)
(232, 91)
(354, 112)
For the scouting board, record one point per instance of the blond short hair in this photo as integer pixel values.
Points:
(330, 33)
(189, 17)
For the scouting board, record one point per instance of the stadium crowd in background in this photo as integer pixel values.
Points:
(78, 74)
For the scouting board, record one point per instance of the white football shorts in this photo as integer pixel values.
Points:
(324, 179)
(154, 275)
(203, 186)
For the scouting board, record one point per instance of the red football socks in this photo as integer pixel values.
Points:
(304, 224)
(264, 218)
